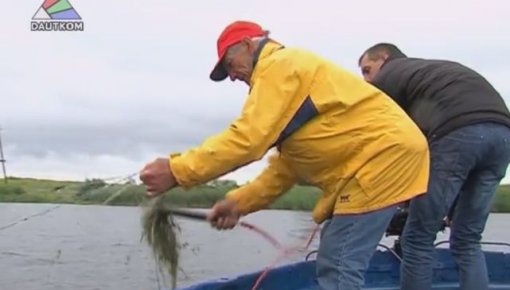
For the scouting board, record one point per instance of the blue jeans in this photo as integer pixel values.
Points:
(346, 246)
(467, 164)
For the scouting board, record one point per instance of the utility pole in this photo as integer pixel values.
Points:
(2, 158)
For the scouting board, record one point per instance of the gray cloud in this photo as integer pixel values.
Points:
(122, 139)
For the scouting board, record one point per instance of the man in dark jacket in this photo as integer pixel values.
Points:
(467, 125)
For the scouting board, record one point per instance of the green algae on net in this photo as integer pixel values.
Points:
(160, 231)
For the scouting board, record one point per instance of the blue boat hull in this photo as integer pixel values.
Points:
(383, 274)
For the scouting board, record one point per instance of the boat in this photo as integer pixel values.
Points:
(382, 274)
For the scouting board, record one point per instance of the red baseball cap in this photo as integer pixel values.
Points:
(232, 34)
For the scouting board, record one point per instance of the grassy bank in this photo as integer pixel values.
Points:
(502, 200)
(96, 191)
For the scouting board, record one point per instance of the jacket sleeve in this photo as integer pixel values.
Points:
(275, 180)
(267, 110)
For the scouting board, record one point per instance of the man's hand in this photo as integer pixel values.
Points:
(224, 215)
(158, 177)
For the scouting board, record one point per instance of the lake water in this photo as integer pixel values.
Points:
(98, 247)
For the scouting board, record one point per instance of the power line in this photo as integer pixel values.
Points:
(2, 158)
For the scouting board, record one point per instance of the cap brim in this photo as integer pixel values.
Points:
(218, 73)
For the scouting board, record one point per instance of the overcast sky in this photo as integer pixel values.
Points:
(134, 85)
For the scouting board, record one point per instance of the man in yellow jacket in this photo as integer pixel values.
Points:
(329, 128)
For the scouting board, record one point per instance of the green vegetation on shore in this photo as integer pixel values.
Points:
(96, 191)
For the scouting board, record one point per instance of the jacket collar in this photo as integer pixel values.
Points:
(393, 57)
(266, 47)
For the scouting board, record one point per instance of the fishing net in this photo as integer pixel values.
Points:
(161, 233)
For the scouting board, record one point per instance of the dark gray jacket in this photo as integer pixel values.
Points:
(441, 96)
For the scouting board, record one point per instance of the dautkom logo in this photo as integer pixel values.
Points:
(56, 15)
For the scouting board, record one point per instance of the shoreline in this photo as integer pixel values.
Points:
(97, 192)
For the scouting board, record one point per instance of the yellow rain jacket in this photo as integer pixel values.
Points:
(331, 129)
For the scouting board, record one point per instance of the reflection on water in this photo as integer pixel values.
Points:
(98, 247)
